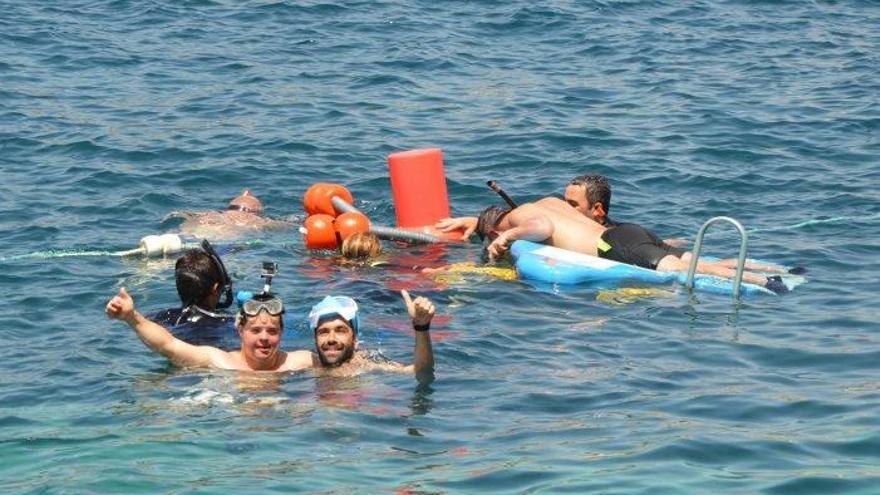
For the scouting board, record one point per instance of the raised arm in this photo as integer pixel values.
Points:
(421, 310)
(156, 337)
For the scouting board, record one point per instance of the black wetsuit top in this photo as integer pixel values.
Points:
(198, 326)
(611, 223)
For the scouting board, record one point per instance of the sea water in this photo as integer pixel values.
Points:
(113, 114)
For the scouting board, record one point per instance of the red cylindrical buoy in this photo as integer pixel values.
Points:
(418, 184)
(320, 233)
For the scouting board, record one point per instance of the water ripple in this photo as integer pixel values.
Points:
(114, 114)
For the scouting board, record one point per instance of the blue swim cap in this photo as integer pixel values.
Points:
(342, 306)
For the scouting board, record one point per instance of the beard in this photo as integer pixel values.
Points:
(343, 358)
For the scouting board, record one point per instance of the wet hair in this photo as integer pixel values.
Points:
(195, 274)
(361, 246)
(489, 219)
(596, 187)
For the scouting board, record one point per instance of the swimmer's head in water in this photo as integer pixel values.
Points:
(197, 278)
(334, 307)
(334, 321)
(489, 220)
(246, 201)
(260, 338)
(361, 246)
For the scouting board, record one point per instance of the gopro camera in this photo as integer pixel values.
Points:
(270, 268)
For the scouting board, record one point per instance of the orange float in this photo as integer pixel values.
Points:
(317, 198)
(351, 223)
(320, 232)
(309, 198)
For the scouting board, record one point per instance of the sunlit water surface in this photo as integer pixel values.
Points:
(114, 114)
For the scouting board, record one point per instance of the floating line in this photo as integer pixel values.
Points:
(821, 221)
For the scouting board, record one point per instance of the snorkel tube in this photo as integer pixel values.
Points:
(495, 187)
(224, 275)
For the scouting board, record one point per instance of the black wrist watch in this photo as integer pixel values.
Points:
(421, 328)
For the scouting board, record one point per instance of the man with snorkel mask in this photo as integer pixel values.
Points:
(335, 323)
(259, 324)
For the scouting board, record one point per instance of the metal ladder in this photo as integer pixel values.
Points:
(698, 245)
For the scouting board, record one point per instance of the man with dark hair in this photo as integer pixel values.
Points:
(201, 280)
(591, 196)
(555, 222)
(198, 279)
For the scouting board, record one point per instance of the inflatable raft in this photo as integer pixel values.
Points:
(541, 263)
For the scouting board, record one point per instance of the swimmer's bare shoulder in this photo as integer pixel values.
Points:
(299, 360)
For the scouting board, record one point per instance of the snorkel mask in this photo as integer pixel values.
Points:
(495, 187)
(335, 306)
(268, 302)
(225, 281)
(265, 300)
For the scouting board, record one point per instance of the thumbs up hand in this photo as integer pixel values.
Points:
(421, 310)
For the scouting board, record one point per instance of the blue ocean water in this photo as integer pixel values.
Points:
(115, 113)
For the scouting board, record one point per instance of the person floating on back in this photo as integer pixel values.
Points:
(242, 216)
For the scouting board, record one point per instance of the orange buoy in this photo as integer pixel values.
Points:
(351, 223)
(310, 198)
(319, 232)
(418, 185)
(317, 198)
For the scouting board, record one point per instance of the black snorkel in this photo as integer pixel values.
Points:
(495, 187)
(226, 282)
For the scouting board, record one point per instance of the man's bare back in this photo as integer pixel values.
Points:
(551, 221)
(555, 222)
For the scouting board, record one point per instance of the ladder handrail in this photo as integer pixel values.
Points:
(698, 246)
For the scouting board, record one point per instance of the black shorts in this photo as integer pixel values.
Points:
(634, 245)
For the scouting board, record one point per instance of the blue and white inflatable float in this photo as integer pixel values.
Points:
(541, 263)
